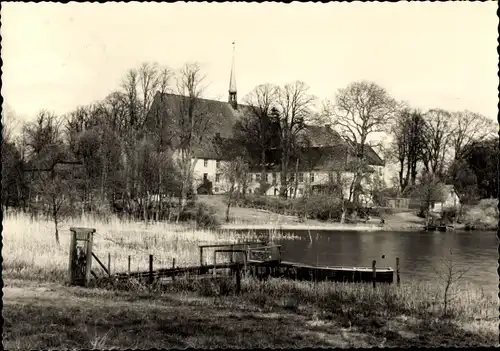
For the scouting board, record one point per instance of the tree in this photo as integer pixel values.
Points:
(409, 141)
(192, 123)
(468, 127)
(438, 137)
(235, 172)
(294, 108)
(428, 190)
(360, 110)
(255, 127)
(482, 159)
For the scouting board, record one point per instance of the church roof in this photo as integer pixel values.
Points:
(219, 118)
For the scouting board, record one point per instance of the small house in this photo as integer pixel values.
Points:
(449, 199)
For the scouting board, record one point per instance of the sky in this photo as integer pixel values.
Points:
(432, 55)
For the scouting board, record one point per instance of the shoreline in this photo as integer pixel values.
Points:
(336, 227)
(328, 227)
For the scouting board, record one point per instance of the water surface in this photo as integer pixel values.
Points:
(420, 253)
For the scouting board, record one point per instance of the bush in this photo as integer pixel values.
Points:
(201, 213)
(322, 207)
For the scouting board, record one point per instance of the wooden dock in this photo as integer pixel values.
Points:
(277, 269)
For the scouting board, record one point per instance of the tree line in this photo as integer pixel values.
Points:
(115, 154)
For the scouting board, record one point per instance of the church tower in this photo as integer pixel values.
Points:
(232, 85)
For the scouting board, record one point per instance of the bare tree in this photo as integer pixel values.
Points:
(235, 172)
(449, 274)
(255, 127)
(409, 141)
(192, 122)
(468, 127)
(438, 138)
(294, 104)
(360, 110)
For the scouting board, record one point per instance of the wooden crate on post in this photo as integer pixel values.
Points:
(80, 255)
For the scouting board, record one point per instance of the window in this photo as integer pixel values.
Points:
(301, 191)
(312, 177)
(250, 177)
(380, 171)
(257, 177)
(217, 177)
(292, 177)
(267, 177)
(205, 163)
(301, 177)
(205, 177)
(217, 164)
(274, 177)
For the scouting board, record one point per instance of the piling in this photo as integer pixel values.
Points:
(374, 272)
(397, 271)
(129, 259)
(109, 263)
(173, 266)
(150, 269)
(215, 263)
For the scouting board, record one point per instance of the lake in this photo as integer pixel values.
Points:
(420, 253)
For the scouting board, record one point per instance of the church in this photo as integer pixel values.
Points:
(327, 152)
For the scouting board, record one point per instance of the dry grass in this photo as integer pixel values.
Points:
(30, 251)
(273, 313)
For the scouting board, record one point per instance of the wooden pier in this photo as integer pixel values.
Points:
(264, 262)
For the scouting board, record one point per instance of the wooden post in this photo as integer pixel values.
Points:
(231, 256)
(238, 279)
(109, 263)
(173, 266)
(72, 254)
(129, 258)
(88, 268)
(397, 270)
(201, 256)
(150, 269)
(374, 270)
(215, 258)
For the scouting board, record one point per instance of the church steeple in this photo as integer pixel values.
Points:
(232, 85)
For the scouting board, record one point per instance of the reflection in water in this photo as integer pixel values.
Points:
(419, 252)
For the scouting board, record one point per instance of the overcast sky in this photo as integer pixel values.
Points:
(59, 56)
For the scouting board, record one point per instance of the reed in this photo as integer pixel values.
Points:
(30, 250)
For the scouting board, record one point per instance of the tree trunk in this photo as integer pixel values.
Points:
(296, 178)
(229, 202)
(55, 219)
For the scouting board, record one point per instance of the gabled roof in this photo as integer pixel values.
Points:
(221, 114)
(320, 136)
(221, 118)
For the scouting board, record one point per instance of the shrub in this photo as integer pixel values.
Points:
(201, 213)
(322, 207)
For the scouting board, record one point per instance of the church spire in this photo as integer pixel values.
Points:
(232, 84)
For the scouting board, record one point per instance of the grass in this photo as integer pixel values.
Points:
(30, 251)
(273, 313)
(41, 312)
